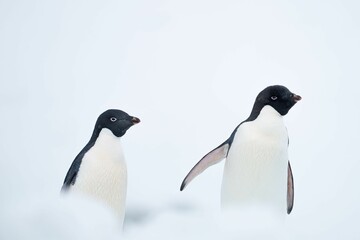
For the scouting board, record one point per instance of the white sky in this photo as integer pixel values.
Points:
(190, 70)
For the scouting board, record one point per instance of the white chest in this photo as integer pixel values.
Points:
(103, 173)
(255, 170)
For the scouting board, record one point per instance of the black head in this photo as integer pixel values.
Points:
(277, 96)
(116, 120)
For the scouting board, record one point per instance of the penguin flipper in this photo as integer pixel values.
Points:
(72, 173)
(290, 190)
(208, 160)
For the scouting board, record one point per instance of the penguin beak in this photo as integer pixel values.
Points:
(296, 98)
(135, 120)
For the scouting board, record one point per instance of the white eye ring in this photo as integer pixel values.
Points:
(273, 98)
(113, 119)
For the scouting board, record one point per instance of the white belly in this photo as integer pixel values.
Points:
(255, 172)
(103, 173)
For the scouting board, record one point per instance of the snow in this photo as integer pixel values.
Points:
(190, 70)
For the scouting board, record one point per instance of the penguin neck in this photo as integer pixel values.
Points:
(98, 129)
(257, 109)
(106, 139)
(269, 113)
(101, 136)
(269, 122)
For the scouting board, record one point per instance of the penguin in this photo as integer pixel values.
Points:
(99, 170)
(257, 171)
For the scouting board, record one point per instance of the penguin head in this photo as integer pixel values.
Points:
(117, 121)
(279, 97)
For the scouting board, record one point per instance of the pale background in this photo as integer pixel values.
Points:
(190, 70)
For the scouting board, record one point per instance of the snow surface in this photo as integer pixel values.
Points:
(190, 70)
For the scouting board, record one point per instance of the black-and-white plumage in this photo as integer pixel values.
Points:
(257, 169)
(99, 170)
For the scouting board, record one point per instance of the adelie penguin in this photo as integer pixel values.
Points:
(257, 170)
(99, 170)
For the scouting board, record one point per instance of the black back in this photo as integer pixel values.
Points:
(117, 121)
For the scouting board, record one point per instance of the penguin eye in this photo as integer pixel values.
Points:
(273, 98)
(113, 119)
